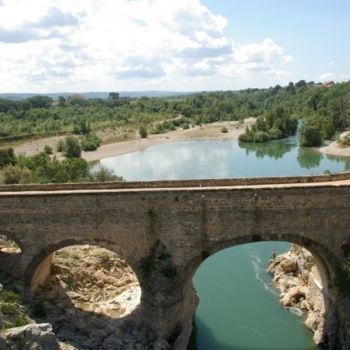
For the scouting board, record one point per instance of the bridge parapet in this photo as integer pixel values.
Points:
(254, 181)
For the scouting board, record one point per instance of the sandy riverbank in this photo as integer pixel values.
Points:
(336, 149)
(209, 131)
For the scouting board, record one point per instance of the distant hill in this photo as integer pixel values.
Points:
(99, 94)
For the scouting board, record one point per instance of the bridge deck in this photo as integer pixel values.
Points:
(333, 180)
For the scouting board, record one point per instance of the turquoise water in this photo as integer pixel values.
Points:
(239, 308)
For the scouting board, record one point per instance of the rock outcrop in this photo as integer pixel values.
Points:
(90, 299)
(297, 278)
(29, 337)
(93, 279)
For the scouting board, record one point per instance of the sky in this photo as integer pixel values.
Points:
(174, 45)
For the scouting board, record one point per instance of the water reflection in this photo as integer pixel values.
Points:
(222, 159)
(273, 149)
(308, 158)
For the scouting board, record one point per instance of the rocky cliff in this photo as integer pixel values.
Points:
(296, 276)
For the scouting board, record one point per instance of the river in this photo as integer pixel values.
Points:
(239, 308)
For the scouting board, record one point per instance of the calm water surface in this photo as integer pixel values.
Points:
(238, 309)
(222, 159)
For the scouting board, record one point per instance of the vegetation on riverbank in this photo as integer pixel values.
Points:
(323, 110)
(42, 168)
(274, 125)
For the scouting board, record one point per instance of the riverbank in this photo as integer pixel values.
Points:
(134, 143)
(209, 131)
(336, 149)
(298, 280)
(110, 149)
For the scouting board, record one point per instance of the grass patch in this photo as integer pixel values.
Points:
(9, 309)
(9, 296)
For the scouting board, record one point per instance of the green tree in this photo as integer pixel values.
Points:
(7, 157)
(113, 96)
(40, 101)
(82, 127)
(90, 142)
(72, 147)
(310, 133)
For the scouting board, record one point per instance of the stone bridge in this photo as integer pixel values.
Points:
(164, 230)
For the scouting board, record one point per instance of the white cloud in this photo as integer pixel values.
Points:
(123, 44)
(324, 77)
(267, 51)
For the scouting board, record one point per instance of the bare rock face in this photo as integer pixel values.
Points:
(90, 298)
(29, 337)
(94, 280)
(289, 265)
(297, 278)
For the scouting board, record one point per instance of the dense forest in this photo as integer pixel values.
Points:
(322, 110)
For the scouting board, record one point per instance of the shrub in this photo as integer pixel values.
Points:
(81, 127)
(7, 157)
(9, 309)
(345, 141)
(275, 133)
(224, 130)
(159, 129)
(48, 149)
(261, 136)
(13, 174)
(90, 142)
(143, 132)
(72, 170)
(20, 321)
(104, 174)
(8, 296)
(60, 146)
(72, 147)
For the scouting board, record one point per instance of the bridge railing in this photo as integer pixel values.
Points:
(178, 183)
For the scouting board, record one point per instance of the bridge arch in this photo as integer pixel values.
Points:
(11, 251)
(325, 262)
(11, 236)
(88, 282)
(39, 263)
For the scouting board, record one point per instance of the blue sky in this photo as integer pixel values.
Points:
(314, 32)
(182, 45)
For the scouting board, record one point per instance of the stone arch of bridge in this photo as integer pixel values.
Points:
(11, 253)
(13, 237)
(38, 269)
(325, 262)
(107, 291)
